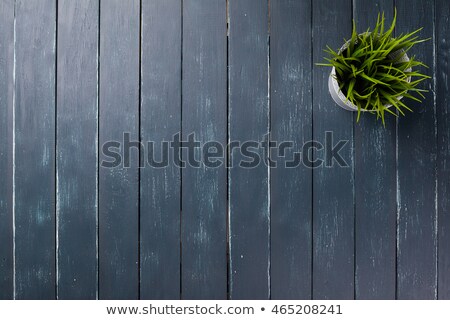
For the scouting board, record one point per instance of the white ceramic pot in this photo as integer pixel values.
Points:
(340, 98)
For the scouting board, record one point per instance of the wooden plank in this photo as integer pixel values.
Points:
(160, 121)
(118, 116)
(375, 186)
(204, 190)
(333, 197)
(248, 99)
(443, 120)
(291, 118)
(6, 148)
(76, 149)
(35, 150)
(416, 261)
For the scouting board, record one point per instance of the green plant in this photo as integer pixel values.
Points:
(371, 70)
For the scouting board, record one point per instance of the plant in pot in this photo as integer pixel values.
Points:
(372, 71)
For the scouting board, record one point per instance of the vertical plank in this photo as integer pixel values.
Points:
(76, 149)
(248, 121)
(442, 75)
(204, 190)
(333, 207)
(35, 150)
(6, 147)
(118, 116)
(375, 186)
(416, 260)
(160, 121)
(291, 117)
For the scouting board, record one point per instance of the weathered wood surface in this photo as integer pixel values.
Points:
(76, 149)
(291, 120)
(160, 121)
(248, 121)
(375, 187)
(34, 187)
(441, 74)
(333, 185)
(118, 116)
(6, 148)
(77, 74)
(417, 216)
(204, 190)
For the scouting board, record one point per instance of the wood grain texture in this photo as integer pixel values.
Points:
(73, 229)
(160, 121)
(442, 72)
(118, 186)
(333, 198)
(6, 148)
(76, 149)
(416, 261)
(204, 190)
(291, 121)
(375, 186)
(248, 121)
(35, 276)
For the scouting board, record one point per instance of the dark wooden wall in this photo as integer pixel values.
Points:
(77, 74)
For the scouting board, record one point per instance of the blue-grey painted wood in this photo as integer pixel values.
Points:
(35, 150)
(248, 121)
(118, 115)
(76, 149)
(348, 248)
(442, 74)
(375, 186)
(416, 256)
(291, 121)
(160, 121)
(333, 194)
(6, 148)
(204, 190)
